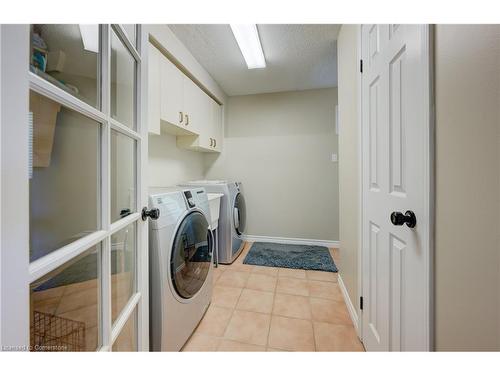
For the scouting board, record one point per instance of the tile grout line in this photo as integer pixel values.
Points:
(272, 314)
(230, 319)
(60, 300)
(312, 323)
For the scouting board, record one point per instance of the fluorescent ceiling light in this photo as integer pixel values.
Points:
(248, 40)
(90, 37)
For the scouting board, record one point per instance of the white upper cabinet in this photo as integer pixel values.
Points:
(217, 126)
(174, 109)
(171, 93)
(195, 114)
(209, 138)
(179, 106)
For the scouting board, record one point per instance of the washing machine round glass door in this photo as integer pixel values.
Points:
(239, 212)
(191, 255)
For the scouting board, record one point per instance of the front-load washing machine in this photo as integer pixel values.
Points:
(180, 265)
(232, 216)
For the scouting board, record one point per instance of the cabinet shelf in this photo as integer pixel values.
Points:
(176, 130)
(193, 143)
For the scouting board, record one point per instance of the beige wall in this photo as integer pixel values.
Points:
(349, 170)
(467, 187)
(169, 165)
(279, 146)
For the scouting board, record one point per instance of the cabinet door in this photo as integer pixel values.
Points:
(193, 106)
(154, 90)
(206, 121)
(171, 93)
(217, 125)
(199, 109)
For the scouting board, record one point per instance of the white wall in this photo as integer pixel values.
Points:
(169, 165)
(348, 78)
(279, 146)
(467, 250)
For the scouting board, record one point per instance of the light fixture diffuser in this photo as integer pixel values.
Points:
(90, 37)
(248, 40)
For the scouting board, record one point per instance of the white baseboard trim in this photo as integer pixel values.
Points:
(350, 307)
(291, 241)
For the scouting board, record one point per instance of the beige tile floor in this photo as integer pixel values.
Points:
(274, 309)
(79, 303)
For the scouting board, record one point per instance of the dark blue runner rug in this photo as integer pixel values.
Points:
(290, 256)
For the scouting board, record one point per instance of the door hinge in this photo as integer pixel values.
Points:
(361, 303)
(361, 66)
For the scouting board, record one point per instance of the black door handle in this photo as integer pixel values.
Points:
(154, 213)
(125, 212)
(409, 218)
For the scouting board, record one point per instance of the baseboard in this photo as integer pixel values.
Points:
(350, 307)
(291, 241)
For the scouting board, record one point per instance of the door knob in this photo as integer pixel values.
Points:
(154, 213)
(125, 212)
(409, 218)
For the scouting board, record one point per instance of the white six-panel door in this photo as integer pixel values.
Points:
(396, 178)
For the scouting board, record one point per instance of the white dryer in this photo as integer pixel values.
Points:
(232, 217)
(180, 265)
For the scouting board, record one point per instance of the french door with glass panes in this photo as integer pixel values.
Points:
(73, 261)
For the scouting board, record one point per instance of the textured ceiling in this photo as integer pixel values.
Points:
(298, 57)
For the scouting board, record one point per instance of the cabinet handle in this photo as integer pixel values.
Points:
(211, 142)
(187, 119)
(181, 115)
(215, 142)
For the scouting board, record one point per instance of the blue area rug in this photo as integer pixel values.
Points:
(290, 256)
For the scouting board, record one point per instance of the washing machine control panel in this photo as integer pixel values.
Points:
(189, 198)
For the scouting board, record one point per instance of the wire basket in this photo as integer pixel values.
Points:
(52, 333)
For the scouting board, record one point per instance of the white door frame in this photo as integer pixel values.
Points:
(14, 233)
(429, 181)
(16, 271)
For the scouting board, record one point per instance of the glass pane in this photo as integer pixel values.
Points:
(130, 29)
(64, 185)
(127, 339)
(64, 306)
(68, 57)
(123, 268)
(239, 213)
(191, 255)
(122, 175)
(122, 83)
